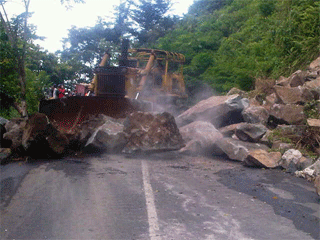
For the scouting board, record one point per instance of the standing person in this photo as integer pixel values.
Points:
(50, 93)
(54, 93)
(61, 91)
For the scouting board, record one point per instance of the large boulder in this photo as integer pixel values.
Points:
(250, 132)
(108, 137)
(293, 95)
(263, 158)
(35, 127)
(287, 114)
(14, 131)
(41, 140)
(35, 137)
(218, 110)
(200, 137)
(151, 132)
(255, 114)
(236, 149)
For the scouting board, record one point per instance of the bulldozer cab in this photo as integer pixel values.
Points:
(155, 75)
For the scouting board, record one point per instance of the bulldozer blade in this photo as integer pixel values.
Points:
(66, 113)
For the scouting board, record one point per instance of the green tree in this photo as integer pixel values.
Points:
(204, 7)
(123, 23)
(17, 37)
(87, 45)
(84, 47)
(40, 62)
(19, 34)
(152, 20)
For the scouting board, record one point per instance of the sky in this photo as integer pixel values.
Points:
(53, 19)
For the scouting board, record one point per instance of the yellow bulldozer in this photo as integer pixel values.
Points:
(144, 80)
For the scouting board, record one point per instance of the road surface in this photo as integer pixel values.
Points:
(160, 196)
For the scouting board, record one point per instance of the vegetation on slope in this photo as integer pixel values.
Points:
(241, 40)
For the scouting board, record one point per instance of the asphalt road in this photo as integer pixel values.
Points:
(161, 196)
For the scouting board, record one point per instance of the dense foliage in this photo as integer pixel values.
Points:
(230, 43)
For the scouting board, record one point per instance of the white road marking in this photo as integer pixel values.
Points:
(151, 208)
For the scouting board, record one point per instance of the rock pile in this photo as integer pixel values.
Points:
(267, 130)
(139, 132)
(37, 138)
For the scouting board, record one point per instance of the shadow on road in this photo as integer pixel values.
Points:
(289, 196)
(12, 174)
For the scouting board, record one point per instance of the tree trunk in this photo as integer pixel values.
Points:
(21, 64)
(22, 107)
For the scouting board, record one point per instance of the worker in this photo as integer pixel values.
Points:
(62, 91)
(54, 92)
